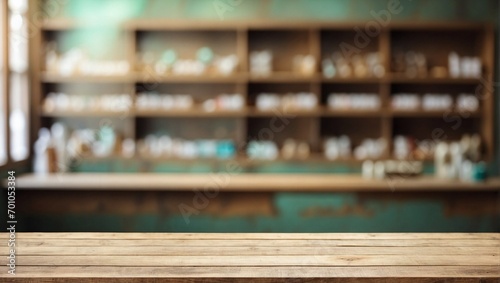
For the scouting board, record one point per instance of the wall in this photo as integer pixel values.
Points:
(281, 212)
(258, 212)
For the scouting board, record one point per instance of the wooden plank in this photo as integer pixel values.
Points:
(256, 236)
(261, 243)
(245, 251)
(256, 280)
(389, 257)
(259, 260)
(259, 272)
(173, 24)
(243, 182)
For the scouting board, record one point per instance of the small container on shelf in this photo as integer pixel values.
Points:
(304, 65)
(464, 67)
(166, 147)
(262, 150)
(410, 63)
(227, 102)
(354, 101)
(336, 148)
(467, 102)
(154, 101)
(297, 101)
(62, 102)
(358, 66)
(405, 101)
(293, 149)
(261, 63)
(437, 101)
(77, 62)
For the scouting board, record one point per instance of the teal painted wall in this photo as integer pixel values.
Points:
(303, 212)
(285, 212)
(117, 10)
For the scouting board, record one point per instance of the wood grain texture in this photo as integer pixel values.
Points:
(241, 257)
(260, 236)
(244, 182)
(257, 243)
(180, 24)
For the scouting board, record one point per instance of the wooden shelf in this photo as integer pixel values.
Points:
(56, 78)
(254, 112)
(127, 113)
(284, 77)
(354, 80)
(194, 112)
(175, 24)
(142, 78)
(240, 158)
(245, 182)
(401, 79)
(65, 24)
(327, 112)
(204, 78)
(433, 113)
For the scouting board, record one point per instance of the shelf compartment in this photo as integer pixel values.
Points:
(356, 128)
(464, 42)
(449, 128)
(189, 128)
(123, 126)
(284, 45)
(199, 92)
(279, 128)
(347, 42)
(94, 43)
(186, 43)
(348, 88)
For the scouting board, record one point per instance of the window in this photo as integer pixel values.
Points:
(3, 84)
(14, 92)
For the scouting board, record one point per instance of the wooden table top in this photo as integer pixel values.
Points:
(244, 182)
(221, 257)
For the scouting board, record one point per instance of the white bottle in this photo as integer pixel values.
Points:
(40, 158)
(59, 136)
(379, 170)
(440, 163)
(454, 65)
(367, 169)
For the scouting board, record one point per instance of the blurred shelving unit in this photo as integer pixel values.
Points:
(285, 39)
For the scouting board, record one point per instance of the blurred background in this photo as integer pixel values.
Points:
(372, 93)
